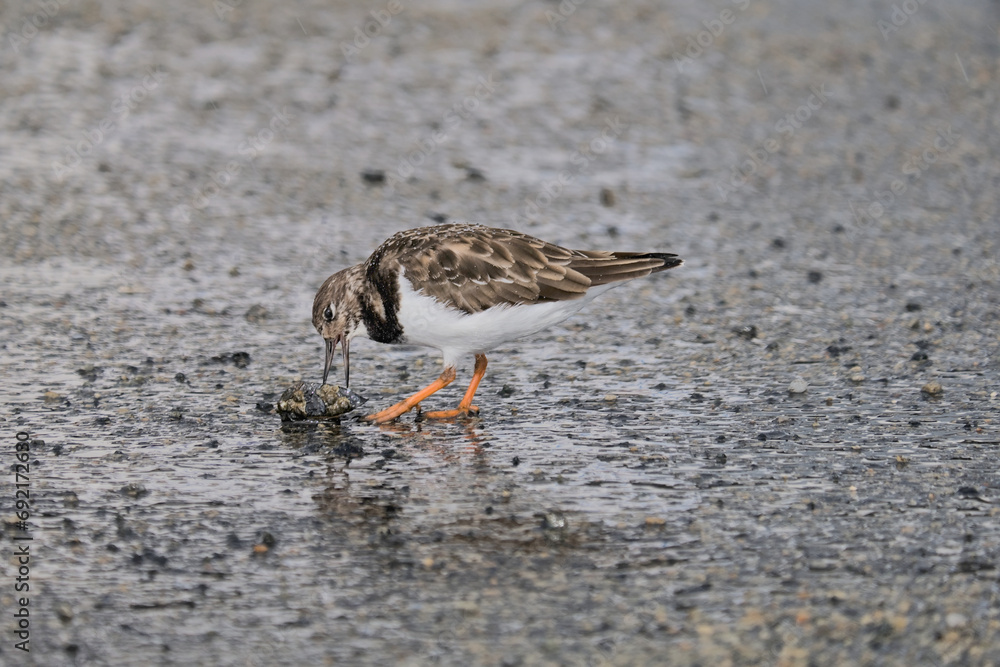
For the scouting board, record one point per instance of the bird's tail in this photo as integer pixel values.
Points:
(611, 267)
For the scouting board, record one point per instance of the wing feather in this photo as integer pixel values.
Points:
(472, 267)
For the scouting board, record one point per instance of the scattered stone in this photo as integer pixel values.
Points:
(241, 359)
(956, 620)
(307, 401)
(506, 391)
(913, 306)
(134, 490)
(238, 359)
(814, 277)
(797, 386)
(64, 612)
(257, 313)
(932, 388)
(747, 331)
(655, 522)
(554, 520)
(607, 197)
(837, 350)
(856, 375)
(373, 176)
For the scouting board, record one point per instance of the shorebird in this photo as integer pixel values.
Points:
(464, 289)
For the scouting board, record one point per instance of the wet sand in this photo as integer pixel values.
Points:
(641, 486)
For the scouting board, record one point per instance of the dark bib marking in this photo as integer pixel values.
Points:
(382, 329)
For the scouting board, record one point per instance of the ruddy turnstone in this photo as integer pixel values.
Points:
(464, 289)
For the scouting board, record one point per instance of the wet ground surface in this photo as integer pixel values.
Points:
(641, 487)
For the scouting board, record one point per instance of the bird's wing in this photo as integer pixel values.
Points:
(473, 267)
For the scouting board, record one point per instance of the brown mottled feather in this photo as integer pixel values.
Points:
(473, 267)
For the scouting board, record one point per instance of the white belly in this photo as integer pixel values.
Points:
(427, 321)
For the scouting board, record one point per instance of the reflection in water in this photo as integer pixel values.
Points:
(375, 490)
(314, 437)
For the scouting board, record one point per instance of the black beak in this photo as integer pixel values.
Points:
(331, 347)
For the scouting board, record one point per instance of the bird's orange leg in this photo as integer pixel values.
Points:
(465, 407)
(447, 377)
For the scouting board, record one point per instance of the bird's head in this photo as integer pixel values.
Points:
(337, 317)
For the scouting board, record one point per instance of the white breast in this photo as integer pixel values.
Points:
(427, 321)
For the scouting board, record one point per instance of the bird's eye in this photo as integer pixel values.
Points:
(328, 314)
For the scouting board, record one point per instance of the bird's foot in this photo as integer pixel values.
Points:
(460, 411)
(390, 413)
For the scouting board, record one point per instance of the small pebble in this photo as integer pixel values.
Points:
(64, 612)
(373, 176)
(932, 388)
(797, 386)
(256, 314)
(134, 490)
(955, 620)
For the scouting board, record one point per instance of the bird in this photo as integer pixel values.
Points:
(463, 289)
